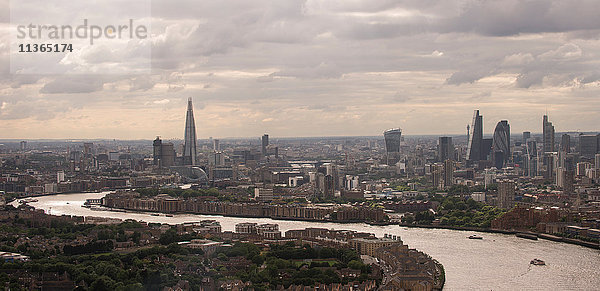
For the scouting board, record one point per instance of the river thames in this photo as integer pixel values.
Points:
(498, 262)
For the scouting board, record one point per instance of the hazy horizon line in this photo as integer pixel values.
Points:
(272, 137)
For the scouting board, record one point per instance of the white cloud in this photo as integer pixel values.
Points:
(161, 102)
(437, 53)
(566, 51)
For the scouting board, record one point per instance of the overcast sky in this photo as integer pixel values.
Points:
(323, 68)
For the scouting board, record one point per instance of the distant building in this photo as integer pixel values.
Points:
(565, 143)
(272, 150)
(478, 196)
(50, 188)
(437, 175)
(295, 181)
(264, 144)
(88, 148)
(13, 257)
(368, 246)
(113, 156)
(501, 144)
(448, 173)
(588, 145)
(531, 158)
(164, 153)
(245, 227)
(329, 186)
(526, 136)
(474, 145)
(216, 159)
(548, 135)
(392, 138)
(216, 145)
(263, 194)
(60, 176)
(209, 247)
(445, 148)
(23, 145)
(568, 182)
(189, 145)
(268, 230)
(506, 194)
(352, 182)
(486, 148)
(582, 167)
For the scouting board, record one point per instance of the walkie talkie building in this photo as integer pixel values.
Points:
(392, 138)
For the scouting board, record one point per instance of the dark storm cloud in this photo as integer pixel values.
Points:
(487, 18)
(503, 18)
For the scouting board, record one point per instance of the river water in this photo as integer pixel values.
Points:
(498, 262)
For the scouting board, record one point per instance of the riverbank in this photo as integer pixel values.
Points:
(139, 211)
(13, 199)
(510, 232)
(300, 212)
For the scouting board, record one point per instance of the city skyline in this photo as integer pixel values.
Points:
(190, 107)
(315, 68)
(300, 145)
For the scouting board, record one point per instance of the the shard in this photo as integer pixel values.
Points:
(189, 145)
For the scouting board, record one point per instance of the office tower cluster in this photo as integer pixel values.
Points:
(446, 161)
(164, 153)
(483, 151)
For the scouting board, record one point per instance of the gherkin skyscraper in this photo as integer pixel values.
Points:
(501, 144)
(189, 145)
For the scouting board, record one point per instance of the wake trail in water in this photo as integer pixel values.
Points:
(528, 269)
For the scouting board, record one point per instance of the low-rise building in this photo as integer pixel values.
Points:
(209, 247)
(368, 246)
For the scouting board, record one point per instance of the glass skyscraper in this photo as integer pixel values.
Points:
(189, 145)
(501, 144)
(475, 139)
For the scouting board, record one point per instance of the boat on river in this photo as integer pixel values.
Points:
(475, 237)
(530, 236)
(537, 262)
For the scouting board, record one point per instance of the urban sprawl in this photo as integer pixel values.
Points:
(531, 185)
